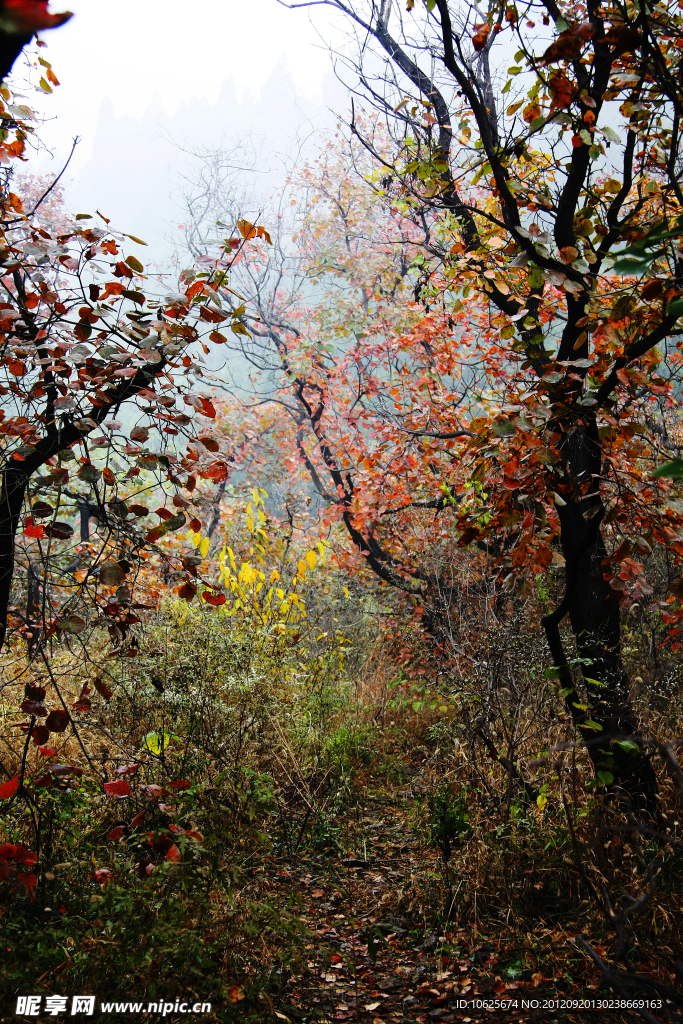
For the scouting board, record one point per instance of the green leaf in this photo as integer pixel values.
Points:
(606, 778)
(589, 724)
(111, 574)
(135, 264)
(72, 624)
(89, 473)
(673, 469)
(503, 428)
(610, 134)
(632, 265)
(628, 746)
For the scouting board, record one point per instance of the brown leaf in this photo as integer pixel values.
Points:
(567, 46)
(480, 37)
(561, 90)
(102, 688)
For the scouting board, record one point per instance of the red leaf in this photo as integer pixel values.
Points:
(35, 530)
(213, 599)
(115, 833)
(180, 784)
(127, 769)
(19, 854)
(210, 443)
(8, 789)
(187, 591)
(173, 854)
(57, 721)
(28, 16)
(65, 769)
(137, 819)
(103, 874)
(34, 707)
(47, 751)
(41, 509)
(40, 734)
(118, 789)
(108, 476)
(216, 471)
(29, 882)
(152, 792)
(195, 525)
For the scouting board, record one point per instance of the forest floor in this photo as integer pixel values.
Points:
(367, 952)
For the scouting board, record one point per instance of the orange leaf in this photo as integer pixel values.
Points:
(561, 90)
(246, 229)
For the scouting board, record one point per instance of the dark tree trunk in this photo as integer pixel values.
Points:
(595, 620)
(85, 521)
(33, 608)
(11, 501)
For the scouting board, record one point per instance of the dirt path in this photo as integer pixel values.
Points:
(371, 956)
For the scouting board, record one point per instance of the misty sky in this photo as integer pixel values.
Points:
(143, 81)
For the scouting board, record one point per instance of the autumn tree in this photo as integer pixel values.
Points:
(556, 188)
(83, 343)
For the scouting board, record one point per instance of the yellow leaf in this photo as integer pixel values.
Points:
(204, 547)
(312, 559)
(301, 568)
(541, 801)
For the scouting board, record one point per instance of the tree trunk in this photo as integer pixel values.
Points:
(33, 608)
(595, 620)
(11, 501)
